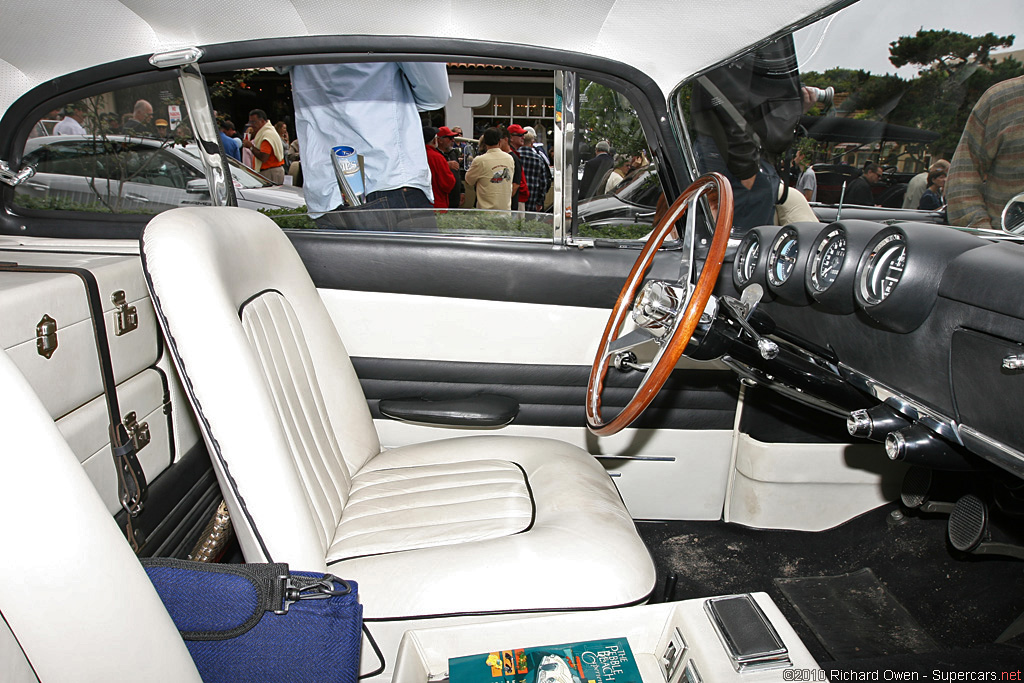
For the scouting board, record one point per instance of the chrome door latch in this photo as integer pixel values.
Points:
(1014, 361)
(9, 177)
(127, 317)
(138, 431)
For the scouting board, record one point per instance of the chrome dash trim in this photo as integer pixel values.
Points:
(934, 420)
(996, 452)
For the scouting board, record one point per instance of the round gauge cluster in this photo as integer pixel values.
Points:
(890, 273)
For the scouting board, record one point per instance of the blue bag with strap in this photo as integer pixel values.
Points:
(262, 622)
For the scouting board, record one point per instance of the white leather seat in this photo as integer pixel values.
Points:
(75, 603)
(464, 526)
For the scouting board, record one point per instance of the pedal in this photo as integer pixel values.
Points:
(917, 484)
(969, 533)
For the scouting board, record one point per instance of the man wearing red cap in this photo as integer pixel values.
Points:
(442, 180)
(445, 142)
(520, 190)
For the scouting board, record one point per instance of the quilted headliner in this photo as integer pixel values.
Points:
(667, 39)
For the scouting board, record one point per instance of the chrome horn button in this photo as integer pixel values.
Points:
(658, 305)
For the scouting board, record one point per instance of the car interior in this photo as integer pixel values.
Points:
(516, 429)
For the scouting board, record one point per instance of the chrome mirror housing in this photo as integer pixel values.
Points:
(1013, 215)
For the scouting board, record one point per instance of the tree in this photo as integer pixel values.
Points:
(945, 51)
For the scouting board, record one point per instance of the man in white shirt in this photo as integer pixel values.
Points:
(374, 108)
(72, 122)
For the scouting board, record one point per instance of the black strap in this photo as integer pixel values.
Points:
(131, 480)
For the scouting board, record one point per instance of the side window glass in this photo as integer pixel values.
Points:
(127, 151)
(617, 182)
(449, 148)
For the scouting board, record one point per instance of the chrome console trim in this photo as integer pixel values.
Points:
(996, 452)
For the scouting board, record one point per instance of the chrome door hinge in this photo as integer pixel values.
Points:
(14, 179)
(46, 337)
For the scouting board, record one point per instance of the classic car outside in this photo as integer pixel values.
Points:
(469, 413)
(136, 175)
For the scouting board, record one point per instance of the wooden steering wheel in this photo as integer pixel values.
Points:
(665, 313)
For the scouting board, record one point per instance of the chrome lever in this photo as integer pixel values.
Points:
(741, 311)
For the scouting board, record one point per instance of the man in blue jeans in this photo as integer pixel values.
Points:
(374, 108)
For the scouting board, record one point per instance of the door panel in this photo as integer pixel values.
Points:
(441, 318)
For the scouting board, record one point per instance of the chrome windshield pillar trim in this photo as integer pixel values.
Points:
(173, 58)
(566, 93)
(1010, 459)
(204, 127)
(932, 419)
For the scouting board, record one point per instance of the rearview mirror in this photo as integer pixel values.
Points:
(1013, 215)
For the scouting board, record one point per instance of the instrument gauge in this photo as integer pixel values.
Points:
(883, 269)
(746, 259)
(828, 259)
(782, 258)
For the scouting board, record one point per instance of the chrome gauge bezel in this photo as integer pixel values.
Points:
(884, 262)
(820, 281)
(747, 256)
(786, 236)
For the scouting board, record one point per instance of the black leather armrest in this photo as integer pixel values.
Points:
(480, 410)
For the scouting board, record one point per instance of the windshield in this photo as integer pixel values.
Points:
(908, 107)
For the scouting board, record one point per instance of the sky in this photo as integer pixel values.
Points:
(859, 36)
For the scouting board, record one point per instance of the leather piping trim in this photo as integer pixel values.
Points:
(533, 520)
(204, 422)
(257, 295)
(533, 610)
(21, 649)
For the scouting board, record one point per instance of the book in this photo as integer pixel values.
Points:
(609, 660)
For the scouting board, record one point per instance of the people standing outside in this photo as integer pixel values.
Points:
(919, 183)
(374, 108)
(512, 140)
(442, 179)
(491, 173)
(595, 169)
(267, 148)
(806, 182)
(232, 145)
(71, 124)
(446, 145)
(537, 144)
(617, 174)
(138, 123)
(987, 171)
(537, 173)
(162, 128)
(932, 198)
(859, 190)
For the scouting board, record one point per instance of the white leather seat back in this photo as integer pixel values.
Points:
(72, 592)
(240, 265)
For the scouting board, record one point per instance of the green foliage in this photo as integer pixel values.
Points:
(499, 223)
(607, 115)
(946, 51)
(291, 219)
(57, 203)
(627, 231)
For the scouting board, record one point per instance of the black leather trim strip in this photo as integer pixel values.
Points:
(494, 270)
(554, 395)
(537, 610)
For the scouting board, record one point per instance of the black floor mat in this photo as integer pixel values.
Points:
(961, 602)
(853, 616)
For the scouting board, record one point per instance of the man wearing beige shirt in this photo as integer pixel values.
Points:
(490, 175)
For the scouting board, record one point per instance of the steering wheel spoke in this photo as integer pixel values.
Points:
(665, 312)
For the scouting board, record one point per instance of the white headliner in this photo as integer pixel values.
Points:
(666, 39)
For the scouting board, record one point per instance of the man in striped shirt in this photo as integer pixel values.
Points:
(988, 166)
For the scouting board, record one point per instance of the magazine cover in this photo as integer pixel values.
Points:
(599, 661)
